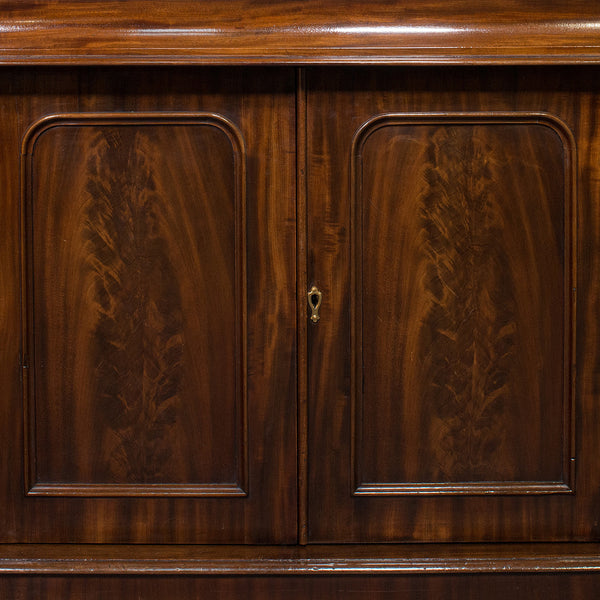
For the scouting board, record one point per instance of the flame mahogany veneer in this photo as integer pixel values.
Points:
(176, 176)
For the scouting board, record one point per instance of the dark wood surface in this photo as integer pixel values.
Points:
(443, 238)
(299, 32)
(529, 470)
(313, 559)
(136, 255)
(461, 304)
(160, 381)
(158, 257)
(494, 587)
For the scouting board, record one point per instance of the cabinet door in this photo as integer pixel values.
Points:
(157, 322)
(443, 235)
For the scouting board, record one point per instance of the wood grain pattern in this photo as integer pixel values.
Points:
(526, 175)
(140, 332)
(443, 337)
(313, 559)
(155, 343)
(495, 587)
(299, 32)
(301, 289)
(143, 272)
(101, 471)
(136, 270)
(469, 336)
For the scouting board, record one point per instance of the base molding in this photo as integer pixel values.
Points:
(91, 559)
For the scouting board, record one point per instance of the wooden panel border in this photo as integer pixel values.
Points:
(566, 486)
(32, 486)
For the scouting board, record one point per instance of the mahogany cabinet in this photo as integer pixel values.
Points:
(446, 342)
(299, 299)
(156, 313)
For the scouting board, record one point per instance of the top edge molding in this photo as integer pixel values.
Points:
(299, 32)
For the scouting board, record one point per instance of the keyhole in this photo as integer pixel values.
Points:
(314, 301)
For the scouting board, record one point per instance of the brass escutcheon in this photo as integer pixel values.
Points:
(314, 301)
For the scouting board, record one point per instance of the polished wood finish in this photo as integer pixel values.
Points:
(575, 586)
(301, 290)
(299, 32)
(443, 235)
(158, 262)
(135, 236)
(314, 559)
(458, 287)
(167, 407)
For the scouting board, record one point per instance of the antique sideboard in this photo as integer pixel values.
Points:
(300, 299)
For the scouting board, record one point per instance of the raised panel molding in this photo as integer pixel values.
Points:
(468, 292)
(135, 305)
